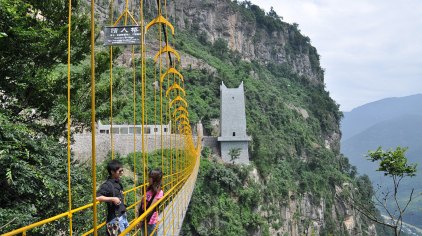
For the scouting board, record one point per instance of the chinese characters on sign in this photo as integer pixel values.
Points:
(122, 35)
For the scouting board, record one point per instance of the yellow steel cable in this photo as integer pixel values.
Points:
(179, 147)
(155, 106)
(111, 87)
(171, 147)
(160, 19)
(168, 122)
(171, 70)
(167, 49)
(111, 103)
(175, 121)
(143, 96)
(134, 126)
(168, 63)
(111, 12)
(175, 86)
(168, 138)
(125, 14)
(171, 151)
(181, 158)
(182, 116)
(161, 97)
(126, 11)
(93, 158)
(69, 189)
(182, 110)
(179, 99)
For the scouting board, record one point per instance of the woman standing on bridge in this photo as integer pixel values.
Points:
(153, 194)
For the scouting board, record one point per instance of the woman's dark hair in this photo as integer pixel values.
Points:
(156, 175)
(113, 165)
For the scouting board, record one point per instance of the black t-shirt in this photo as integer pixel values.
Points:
(112, 188)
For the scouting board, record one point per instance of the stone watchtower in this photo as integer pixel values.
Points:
(233, 137)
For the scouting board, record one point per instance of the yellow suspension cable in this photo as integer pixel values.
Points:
(126, 11)
(168, 118)
(69, 189)
(143, 96)
(111, 87)
(161, 92)
(134, 127)
(93, 158)
(161, 96)
(155, 106)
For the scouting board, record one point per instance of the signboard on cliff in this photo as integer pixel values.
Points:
(122, 35)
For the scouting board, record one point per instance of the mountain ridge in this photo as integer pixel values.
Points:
(388, 108)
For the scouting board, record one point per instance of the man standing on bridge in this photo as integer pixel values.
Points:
(111, 192)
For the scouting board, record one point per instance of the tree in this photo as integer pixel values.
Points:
(33, 176)
(393, 164)
(246, 4)
(33, 42)
(220, 47)
(234, 154)
(274, 14)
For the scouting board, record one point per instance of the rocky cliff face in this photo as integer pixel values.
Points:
(301, 214)
(220, 19)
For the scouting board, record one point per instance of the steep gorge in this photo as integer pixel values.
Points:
(297, 179)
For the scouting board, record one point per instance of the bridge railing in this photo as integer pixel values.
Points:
(172, 207)
(177, 185)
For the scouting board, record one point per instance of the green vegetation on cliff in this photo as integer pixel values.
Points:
(292, 120)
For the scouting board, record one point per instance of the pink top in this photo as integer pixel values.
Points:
(154, 218)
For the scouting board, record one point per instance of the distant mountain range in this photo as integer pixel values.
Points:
(365, 116)
(388, 123)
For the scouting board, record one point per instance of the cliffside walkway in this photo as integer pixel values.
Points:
(178, 155)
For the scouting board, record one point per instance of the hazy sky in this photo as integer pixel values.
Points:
(370, 49)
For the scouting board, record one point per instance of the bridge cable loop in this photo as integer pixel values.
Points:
(160, 20)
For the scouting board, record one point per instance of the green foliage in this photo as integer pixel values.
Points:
(32, 87)
(251, 12)
(234, 154)
(206, 152)
(35, 43)
(220, 48)
(393, 163)
(34, 177)
(216, 209)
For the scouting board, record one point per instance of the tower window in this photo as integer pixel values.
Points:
(234, 133)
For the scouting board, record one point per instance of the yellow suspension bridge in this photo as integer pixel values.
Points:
(179, 162)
